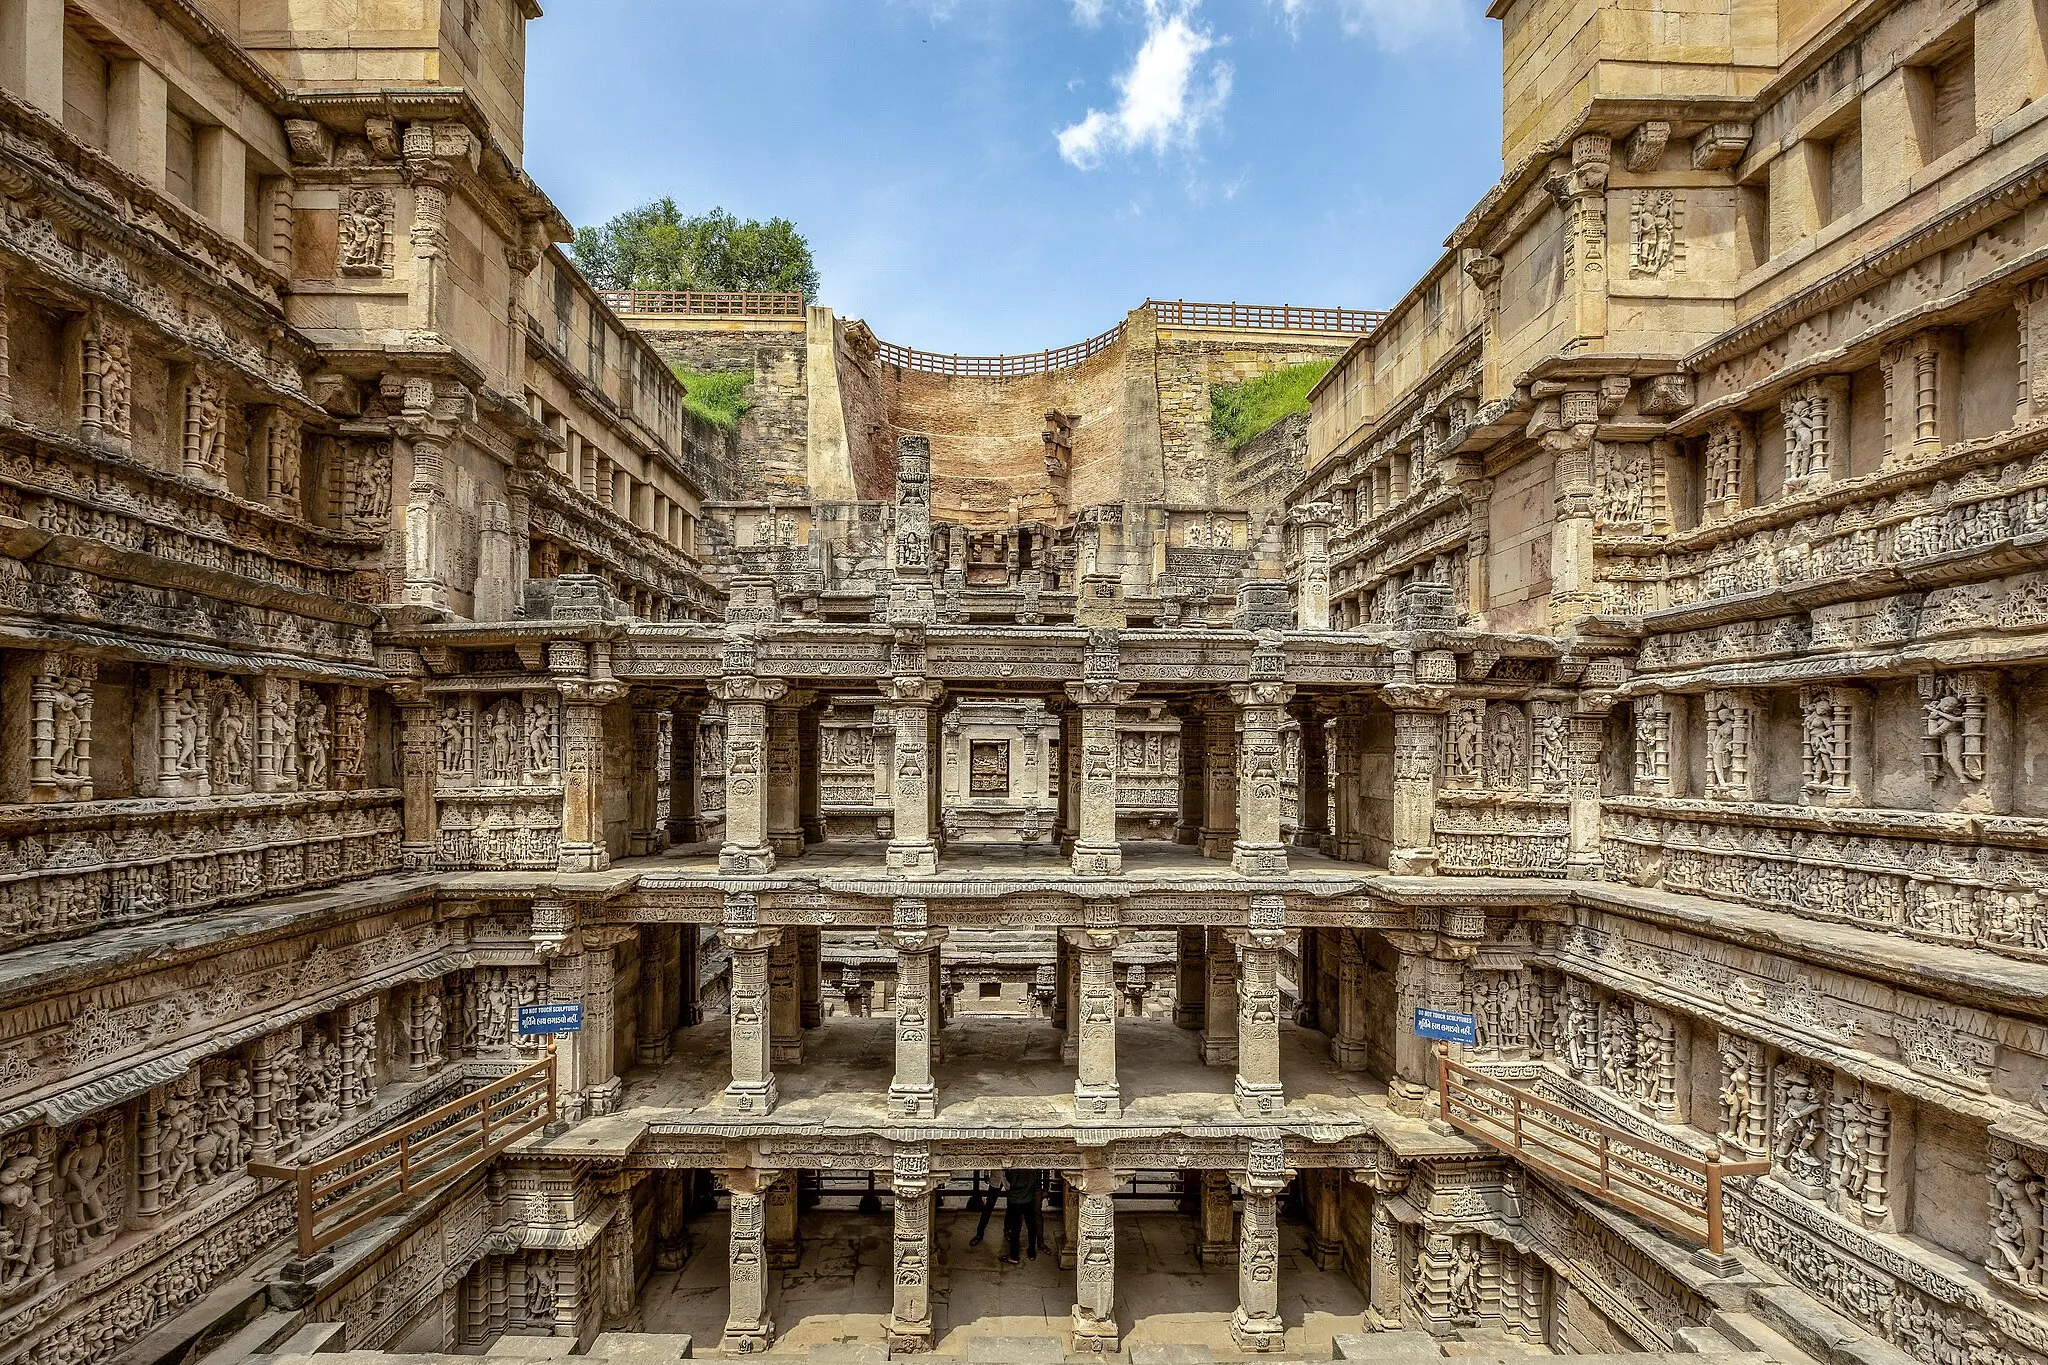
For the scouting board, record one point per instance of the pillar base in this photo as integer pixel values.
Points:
(645, 843)
(784, 1255)
(1097, 1101)
(1219, 1052)
(582, 858)
(1094, 1337)
(1348, 1054)
(745, 860)
(1216, 1253)
(750, 1097)
(1216, 843)
(1348, 849)
(604, 1099)
(1407, 1097)
(786, 1053)
(672, 1255)
(1317, 839)
(752, 1339)
(909, 1338)
(1188, 1016)
(1326, 1255)
(913, 1102)
(920, 859)
(1257, 1335)
(654, 1051)
(1098, 860)
(1258, 860)
(787, 844)
(1412, 862)
(1258, 1099)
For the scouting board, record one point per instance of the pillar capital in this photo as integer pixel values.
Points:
(1101, 693)
(743, 689)
(913, 691)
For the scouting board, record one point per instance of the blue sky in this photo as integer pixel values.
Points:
(995, 176)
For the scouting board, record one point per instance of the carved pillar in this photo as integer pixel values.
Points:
(1816, 420)
(685, 814)
(1219, 1004)
(425, 497)
(910, 1313)
(1836, 734)
(1217, 1216)
(1384, 1291)
(1347, 757)
(1258, 850)
(785, 763)
(1728, 469)
(59, 712)
(785, 1010)
(913, 851)
(1565, 426)
(1191, 976)
(1258, 1023)
(746, 849)
(420, 763)
(1585, 738)
(1312, 592)
(1324, 1192)
(1096, 1094)
(748, 1328)
(583, 847)
(1418, 740)
(1194, 794)
(1348, 1039)
(752, 1089)
(912, 1093)
(1312, 794)
(781, 1215)
(1256, 1325)
(358, 1027)
(653, 756)
(1095, 1329)
(1429, 975)
(1096, 850)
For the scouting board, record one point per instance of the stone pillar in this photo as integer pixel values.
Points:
(785, 1011)
(784, 756)
(1418, 740)
(1194, 794)
(913, 852)
(1586, 736)
(1191, 976)
(748, 1328)
(1219, 770)
(781, 1213)
(425, 495)
(1430, 975)
(746, 849)
(1256, 1325)
(1070, 1222)
(1312, 795)
(912, 1094)
(420, 763)
(1063, 991)
(1096, 850)
(1347, 758)
(810, 982)
(583, 844)
(1217, 1219)
(752, 1089)
(1312, 589)
(1095, 1330)
(1324, 1190)
(657, 994)
(910, 1311)
(809, 796)
(1258, 1023)
(653, 738)
(685, 797)
(1348, 1035)
(1219, 1006)
(1095, 1085)
(1383, 1291)
(1259, 850)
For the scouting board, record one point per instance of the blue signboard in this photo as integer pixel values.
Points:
(564, 1018)
(1444, 1026)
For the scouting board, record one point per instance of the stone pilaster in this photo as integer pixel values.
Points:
(1565, 427)
(1347, 758)
(783, 753)
(1194, 794)
(425, 500)
(781, 1215)
(1219, 773)
(1256, 1325)
(912, 1093)
(748, 1328)
(1217, 1220)
(1191, 976)
(1312, 795)
(910, 1310)
(1312, 589)
(752, 1089)
(785, 1008)
(1095, 1085)
(1586, 736)
(1259, 850)
(1096, 850)
(1219, 1005)
(1258, 1023)
(913, 849)
(685, 793)
(1095, 1329)
(1383, 1291)
(746, 849)
(1418, 741)
(1348, 1038)
(1325, 1198)
(653, 739)
(419, 768)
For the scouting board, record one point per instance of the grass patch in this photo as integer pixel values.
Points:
(1238, 412)
(720, 397)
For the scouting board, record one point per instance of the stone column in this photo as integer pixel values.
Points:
(1430, 975)
(1324, 1189)
(1259, 850)
(1312, 798)
(583, 701)
(810, 983)
(1219, 812)
(1095, 1330)
(1312, 590)
(1096, 851)
(1194, 794)
(752, 1089)
(913, 852)
(783, 750)
(1418, 741)
(420, 762)
(1258, 1023)
(425, 496)
(809, 798)
(748, 1328)
(785, 1010)
(1384, 1282)
(657, 994)
(780, 1215)
(912, 1094)
(1587, 737)
(1191, 984)
(1219, 1006)
(1256, 1325)
(1070, 779)
(910, 1312)
(746, 849)
(1347, 1038)
(1347, 760)
(1070, 1222)
(653, 738)
(1217, 1219)
(1095, 1085)
(685, 797)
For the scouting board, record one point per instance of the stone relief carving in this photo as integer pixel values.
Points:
(363, 231)
(1798, 1137)
(1955, 706)
(60, 759)
(1654, 220)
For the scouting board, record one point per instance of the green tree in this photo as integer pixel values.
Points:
(656, 246)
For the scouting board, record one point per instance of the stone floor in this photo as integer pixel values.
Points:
(840, 1291)
(1143, 859)
(1001, 1071)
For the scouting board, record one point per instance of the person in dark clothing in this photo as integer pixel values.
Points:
(1020, 1216)
(991, 1192)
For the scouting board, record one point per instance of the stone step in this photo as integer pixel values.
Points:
(1387, 1346)
(1015, 1351)
(1161, 1353)
(268, 1331)
(1821, 1332)
(642, 1348)
(1751, 1333)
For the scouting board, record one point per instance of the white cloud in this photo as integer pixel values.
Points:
(1088, 13)
(1395, 25)
(1165, 98)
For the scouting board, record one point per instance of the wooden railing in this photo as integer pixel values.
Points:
(1285, 317)
(354, 1187)
(1673, 1189)
(998, 366)
(702, 304)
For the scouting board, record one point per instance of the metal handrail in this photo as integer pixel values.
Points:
(702, 303)
(359, 1184)
(1642, 1177)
